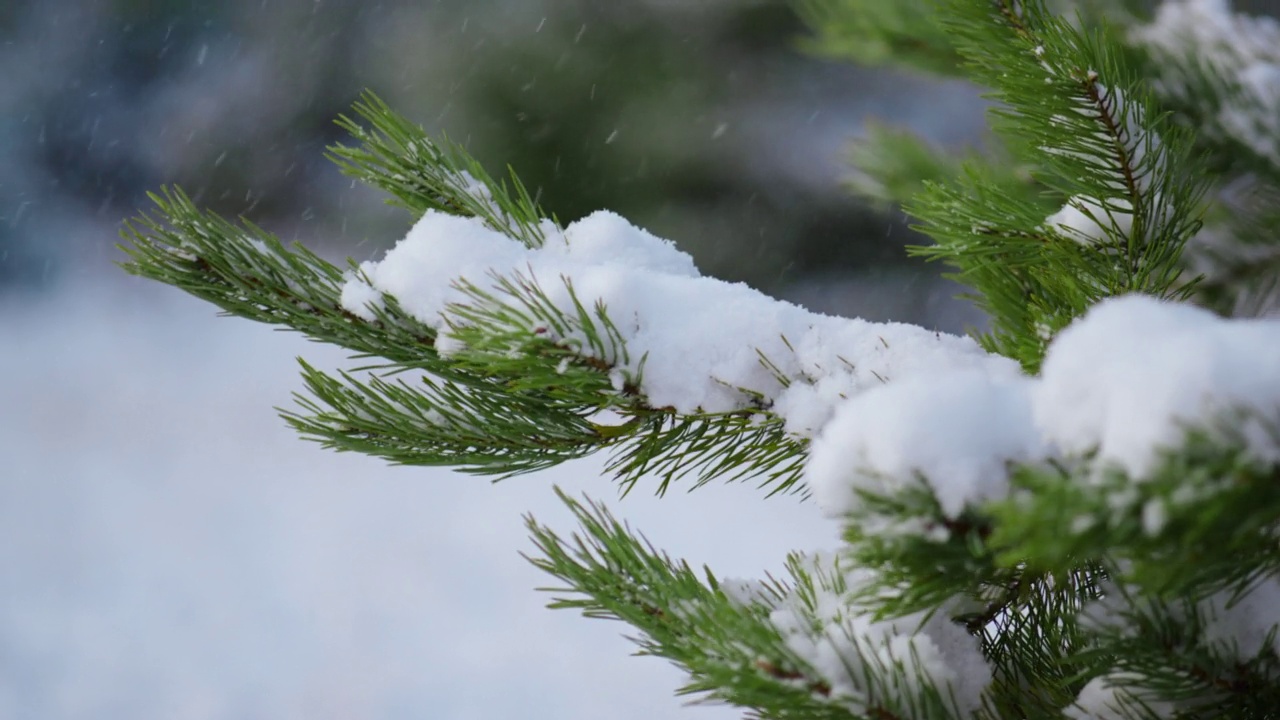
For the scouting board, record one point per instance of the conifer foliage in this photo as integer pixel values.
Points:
(1071, 515)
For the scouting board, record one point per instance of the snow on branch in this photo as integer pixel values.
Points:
(680, 340)
(1110, 697)
(1120, 388)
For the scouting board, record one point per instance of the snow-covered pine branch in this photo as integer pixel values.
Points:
(1073, 517)
(615, 298)
(793, 648)
(632, 349)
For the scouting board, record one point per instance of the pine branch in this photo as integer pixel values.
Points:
(1162, 651)
(921, 558)
(969, 578)
(248, 272)
(730, 446)
(1033, 639)
(537, 400)
(921, 561)
(483, 431)
(1214, 70)
(732, 650)
(1071, 108)
(905, 33)
(1204, 519)
(743, 405)
(1238, 252)
(423, 174)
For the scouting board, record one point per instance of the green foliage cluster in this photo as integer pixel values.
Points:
(514, 402)
(1076, 125)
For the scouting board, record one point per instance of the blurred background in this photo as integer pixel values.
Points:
(167, 548)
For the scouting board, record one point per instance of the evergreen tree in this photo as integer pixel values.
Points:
(1071, 515)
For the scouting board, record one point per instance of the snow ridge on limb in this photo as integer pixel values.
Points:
(629, 316)
(1125, 393)
(1120, 386)
(613, 296)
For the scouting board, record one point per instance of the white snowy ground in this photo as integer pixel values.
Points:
(170, 550)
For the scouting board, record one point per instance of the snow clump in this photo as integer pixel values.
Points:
(1126, 382)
